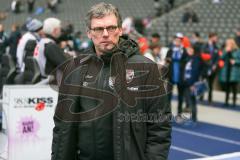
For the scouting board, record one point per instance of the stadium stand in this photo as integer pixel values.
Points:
(222, 18)
(74, 11)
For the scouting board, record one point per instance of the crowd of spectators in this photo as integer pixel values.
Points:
(192, 61)
(49, 43)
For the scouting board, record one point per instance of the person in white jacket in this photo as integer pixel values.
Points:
(34, 27)
(157, 53)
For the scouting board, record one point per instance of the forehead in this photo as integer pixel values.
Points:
(177, 39)
(229, 41)
(107, 20)
(214, 36)
(155, 38)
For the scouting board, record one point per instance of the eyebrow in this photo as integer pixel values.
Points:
(105, 26)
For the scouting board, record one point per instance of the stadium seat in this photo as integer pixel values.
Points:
(32, 72)
(7, 71)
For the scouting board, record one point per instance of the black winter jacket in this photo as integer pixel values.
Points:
(210, 67)
(130, 99)
(183, 62)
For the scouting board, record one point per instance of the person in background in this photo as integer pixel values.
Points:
(155, 38)
(237, 37)
(3, 46)
(157, 53)
(67, 30)
(47, 52)
(196, 42)
(154, 53)
(158, 8)
(77, 41)
(176, 59)
(30, 5)
(171, 3)
(139, 26)
(190, 16)
(186, 42)
(143, 45)
(209, 55)
(34, 27)
(67, 48)
(16, 6)
(229, 75)
(25, 47)
(127, 25)
(3, 41)
(14, 38)
(52, 5)
(192, 72)
(3, 15)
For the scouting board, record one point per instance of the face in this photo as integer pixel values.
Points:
(13, 28)
(214, 39)
(190, 51)
(238, 33)
(177, 42)
(63, 44)
(230, 44)
(41, 33)
(57, 32)
(104, 33)
(156, 51)
(194, 36)
(155, 40)
(1, 28)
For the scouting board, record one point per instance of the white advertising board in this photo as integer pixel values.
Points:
(28, 119)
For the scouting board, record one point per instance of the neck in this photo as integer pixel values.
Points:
(51, 37)
(98, 53)
(210, 42)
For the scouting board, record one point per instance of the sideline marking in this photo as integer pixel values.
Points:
(206, 136)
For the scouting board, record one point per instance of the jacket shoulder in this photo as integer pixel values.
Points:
(139, 59)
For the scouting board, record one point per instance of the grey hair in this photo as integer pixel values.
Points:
(50, 24)
(100, 10)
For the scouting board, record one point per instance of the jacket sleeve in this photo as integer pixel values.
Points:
(224, 55)
(168, 58)
(237, 58)
(158, 133)
(54, 54)
(64, 143)
(196, 68)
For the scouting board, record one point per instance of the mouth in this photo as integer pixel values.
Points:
(106, 42)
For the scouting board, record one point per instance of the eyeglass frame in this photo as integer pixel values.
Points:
(101, 29)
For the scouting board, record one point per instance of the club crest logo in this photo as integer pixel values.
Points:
(129, 75)
(129, 78)
(111, 82)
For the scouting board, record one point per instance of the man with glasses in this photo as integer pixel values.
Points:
(112, 104)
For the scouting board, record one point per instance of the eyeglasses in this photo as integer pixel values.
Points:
(100, 30)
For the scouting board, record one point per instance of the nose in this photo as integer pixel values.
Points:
(105, 32)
